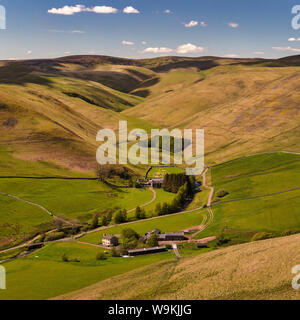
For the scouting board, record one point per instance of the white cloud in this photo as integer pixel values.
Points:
(130, 9)
(191, 24)
(294, 39)
(67, 10)
(67, 52)
(167, 11)
(286, 49)
(127, 43)
(144, 42)
(102, 9)
(259, 52)
(158, 50)
(189, 48)
(29, 52)
(231, 55)
(77, 31)
(70, 10)
(68, 31)
(233, 25)
(203, 24)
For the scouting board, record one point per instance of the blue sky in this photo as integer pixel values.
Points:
(243, 28)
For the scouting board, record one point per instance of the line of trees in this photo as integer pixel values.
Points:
(173, 182)
(184, 193)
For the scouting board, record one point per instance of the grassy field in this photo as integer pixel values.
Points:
(259, 271)
(19, 220)
(71, 199)
(160, 172)
(257, 176)
(75, 198)
(170, 223)
(43, 274)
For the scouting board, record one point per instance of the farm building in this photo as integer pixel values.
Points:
(156, 183)
(143, 251)
(149, 234)
(172, 236)
(109, 241)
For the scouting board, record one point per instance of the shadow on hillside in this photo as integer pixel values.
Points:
(199, 65)
(20, 75)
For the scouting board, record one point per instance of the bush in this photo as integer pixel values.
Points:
(65, 258)
(140, 213)
(85, 228)
(129, 238)
(222, 239)
(120, 216)
(123, 252)
(152, 241)
(100, 256)
(95, 222)
(290, 232)
(54, 236)
(222, 193)
(115, 253)
(262, 236)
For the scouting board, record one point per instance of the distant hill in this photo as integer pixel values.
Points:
(51, 109)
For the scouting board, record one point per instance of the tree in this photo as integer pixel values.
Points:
(165, 209)
(140, 213)
(95, 222)
(104, 221)
(100, 256)
(152, 241)
(120, 216)
(129, 238)
(114, 252)
(65, 258)
(158, 209)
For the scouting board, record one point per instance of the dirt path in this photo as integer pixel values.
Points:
(146, 204)
(175, 249)
(28, 202)
(208, 220)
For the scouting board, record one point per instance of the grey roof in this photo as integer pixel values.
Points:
(181, 233)
(146, 249)
(157, 180)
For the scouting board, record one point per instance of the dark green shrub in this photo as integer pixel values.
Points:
(65, 258)
(54, 236)
(290, 232)
(115, 253)
(100, 256)
(222, 193)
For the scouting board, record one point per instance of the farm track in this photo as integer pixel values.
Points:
(146, 204)
(36, 205)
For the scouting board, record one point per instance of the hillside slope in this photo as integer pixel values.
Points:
(258, 270)
(56, 118)
(241, 108)
(51, 109)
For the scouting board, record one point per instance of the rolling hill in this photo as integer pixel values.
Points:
(51, 109)
(256, 271)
